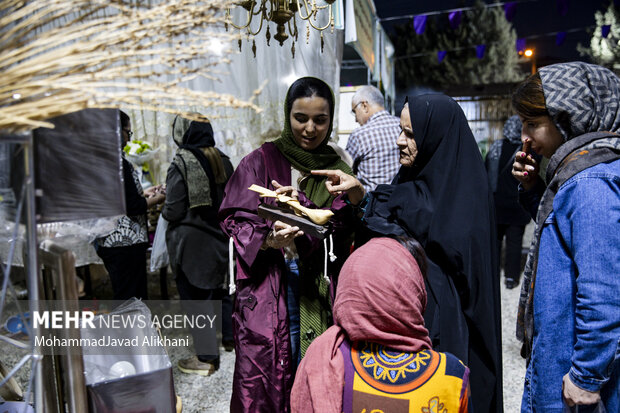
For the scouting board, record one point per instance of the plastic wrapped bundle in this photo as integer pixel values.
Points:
(134, 379)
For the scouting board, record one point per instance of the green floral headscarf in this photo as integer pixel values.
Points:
(323, 157)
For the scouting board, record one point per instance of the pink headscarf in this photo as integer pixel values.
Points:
(380, 298)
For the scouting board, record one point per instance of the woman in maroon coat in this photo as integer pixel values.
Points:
(268, 305)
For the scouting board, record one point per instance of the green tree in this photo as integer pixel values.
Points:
(604, 51)
(417, 62)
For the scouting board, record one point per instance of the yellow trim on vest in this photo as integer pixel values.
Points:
(439, 393)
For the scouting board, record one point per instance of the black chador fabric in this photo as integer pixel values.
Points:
(444, 202)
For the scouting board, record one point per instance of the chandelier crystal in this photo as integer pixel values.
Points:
(282, 13)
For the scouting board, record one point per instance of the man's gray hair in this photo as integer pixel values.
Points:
(369, 94)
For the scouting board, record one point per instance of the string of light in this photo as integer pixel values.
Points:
(436, 12)
(534, 36)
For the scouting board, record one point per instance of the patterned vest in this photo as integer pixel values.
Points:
(129, 230)
(379, 380)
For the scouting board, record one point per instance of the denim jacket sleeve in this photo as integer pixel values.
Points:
(587, 210)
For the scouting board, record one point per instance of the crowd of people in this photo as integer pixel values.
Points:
(398, 308)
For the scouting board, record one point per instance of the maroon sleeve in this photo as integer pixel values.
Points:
(238, 212)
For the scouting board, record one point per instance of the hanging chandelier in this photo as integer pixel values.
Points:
(282, 13)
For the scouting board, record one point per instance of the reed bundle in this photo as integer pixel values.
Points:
(59, 56)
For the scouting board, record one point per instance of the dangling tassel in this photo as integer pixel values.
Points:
(332, 256)
(231, 266)
(325, 276)
(328, 253)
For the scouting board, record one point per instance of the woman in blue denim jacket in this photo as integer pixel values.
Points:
(569, 311)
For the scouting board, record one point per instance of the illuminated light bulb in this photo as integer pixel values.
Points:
(216, 46)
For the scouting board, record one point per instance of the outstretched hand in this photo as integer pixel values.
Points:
(282, 235)
(338, 182)
(525, 168)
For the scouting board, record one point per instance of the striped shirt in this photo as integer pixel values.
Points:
(374, 151)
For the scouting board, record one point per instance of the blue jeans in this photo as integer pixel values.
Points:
(292, 305)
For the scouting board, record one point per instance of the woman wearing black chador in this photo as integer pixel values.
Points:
(441, 197)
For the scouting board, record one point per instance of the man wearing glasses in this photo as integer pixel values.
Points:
(373, 145)
(123, 251)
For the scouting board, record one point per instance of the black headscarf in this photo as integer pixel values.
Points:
(200, 135)
(444, 202)
(445, 192)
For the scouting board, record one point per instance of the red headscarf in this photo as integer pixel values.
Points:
(380, 298)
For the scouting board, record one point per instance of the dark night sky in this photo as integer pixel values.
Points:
(532, 18)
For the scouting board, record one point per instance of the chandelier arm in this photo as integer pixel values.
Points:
(261, 9)
(320, 29)
(269, 15)
(264, 16)
(329, 21)
(247, 23)
(240, 27)
(251, 15)
(260, 27)
(292, 32)
(309, 13)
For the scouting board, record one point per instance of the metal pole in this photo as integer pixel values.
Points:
(32, 272)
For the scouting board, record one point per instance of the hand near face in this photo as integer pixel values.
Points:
(338, 182)
(575, 395)
(282, 235)
(525, 168)
(543, 136)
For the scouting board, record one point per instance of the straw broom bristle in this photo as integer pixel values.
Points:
(60, 56)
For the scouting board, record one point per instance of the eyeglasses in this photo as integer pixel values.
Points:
(355, 107)
(129, 133)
